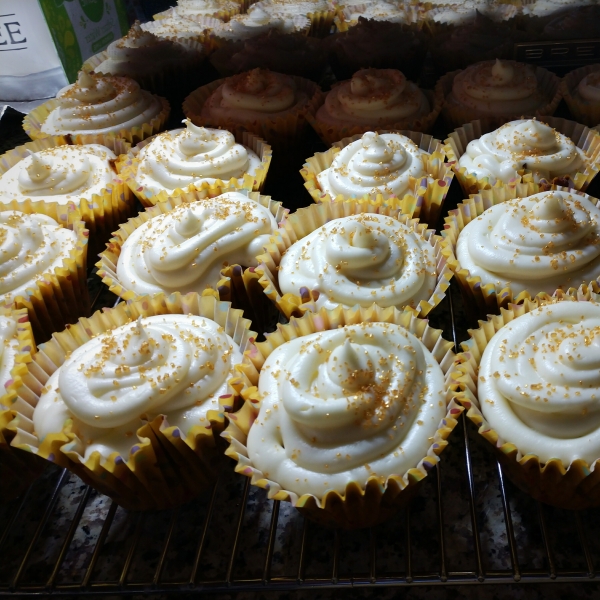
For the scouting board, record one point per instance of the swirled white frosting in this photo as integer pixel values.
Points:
(30, 247)
(523, 144)
(380, 11)
(283, 7)
(498, 88)
(541, 243)
(241, 27)
(101, 104)
(255, 95)
(588, 88)
(539, 382)
(361, 259)
(344, 405)
(185, 249)
(178, 158)
(191, 9)
(175, 365)
(62, 174)
(9, 346)
(373, 97)
(175, 27)
(374, 164)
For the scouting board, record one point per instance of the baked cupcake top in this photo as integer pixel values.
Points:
(361, 259)
(259, 21)
(61, 174)
(345, 405)
(178, 158)
(588, 89)
(541, 243)
(176, 365)
(539, 382)
(373, 97)
(374, 164)
(31, 246)
(9, 348)
(522, 144)
(185, 249)
(101, 104)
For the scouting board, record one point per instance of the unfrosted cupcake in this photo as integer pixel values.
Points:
(581, 91)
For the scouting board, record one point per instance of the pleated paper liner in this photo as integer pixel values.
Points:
(584, 138)
(331, 133)
(306, 220)
(321, 22)
(32, 124)
(58, 297)
(483, 299)
(128, 166)
(101, 213)
(584, 111)
(426, 195)
(18, 469)
(166, 466)
(574, 486)
(364, 503)
(281, 132)
(455, 115)
(239, 288)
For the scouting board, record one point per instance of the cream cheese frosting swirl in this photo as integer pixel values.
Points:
(175, 27)
(9, 346)
(101, 104)
(589, 88)
(30, 246)
(185, 249)
(523, 144)
(62, 174)
(301, 7)
(344, 405)
(541, 243)
(361, 259)
(380, 11)
(179, 158)
(374, 164)
(259, 21)
(498, 88)
(176, 365)
(373, 97)
(539, 382)
(192, 9)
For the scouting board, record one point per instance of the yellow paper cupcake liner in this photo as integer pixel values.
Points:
(306, 220)
(102, 213)
(128, 166)
(584, 138)
(426, 195)
(59, 297)
(321, 22)
(455, 115)
(32, 124)
(574, 486)
(483, 299)
(280, 132)
(586, 112)
(165, 466)
(331, 133)
(18, 469)
(364, 503)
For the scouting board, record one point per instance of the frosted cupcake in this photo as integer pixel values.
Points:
(199, 9)
(177, 28)
(581, 91)
(98, 109)
(378, 11)
(320, 12)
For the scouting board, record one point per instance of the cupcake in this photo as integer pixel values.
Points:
(527, 150)
(199, 9)
(133, 407)
(581, 91)
(97, 109)
(378, 11)
(354, 254)
(349, 414)
(320, 12)
(195, 158)
(529, 380)
(382, 167)
(374, 99)
(496, 92)
(271, 105)
(178, 28)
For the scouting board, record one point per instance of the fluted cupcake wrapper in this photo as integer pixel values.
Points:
(574, 486)
(306, 220)
(483, 299)
(102, 213)
(586, 112)
(331, 133)
(321, 22)
(584, 138)
(18, 469)
(128, 165)
(426, 194)
(281, 132)
(455, 115)
(165, 466)
(233, 286)
(363, 503)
